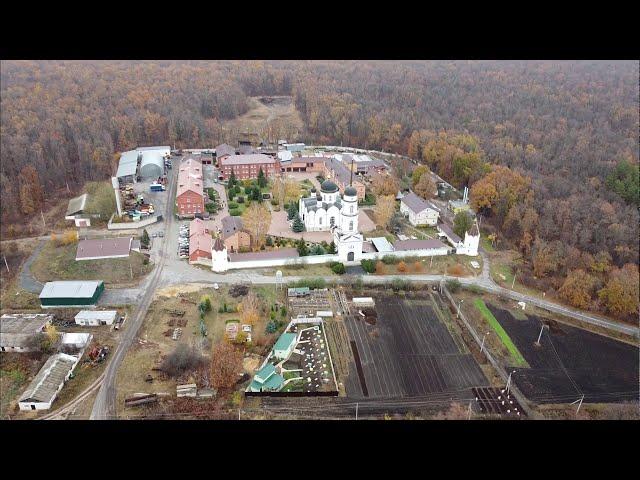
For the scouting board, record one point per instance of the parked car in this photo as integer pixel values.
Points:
(161, 234)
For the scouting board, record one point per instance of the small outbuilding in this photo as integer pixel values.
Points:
(285, 345)
(63, 294)
(17, 329)
(92, 318)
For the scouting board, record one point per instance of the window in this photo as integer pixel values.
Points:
(332, 221)
(320, 221)
(351, 208)
(351, 225)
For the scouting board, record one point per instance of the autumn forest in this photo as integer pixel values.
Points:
(548, 149)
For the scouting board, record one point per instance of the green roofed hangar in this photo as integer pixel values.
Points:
(71, 293)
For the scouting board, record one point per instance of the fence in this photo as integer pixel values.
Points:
(496, 365)
(131, 225)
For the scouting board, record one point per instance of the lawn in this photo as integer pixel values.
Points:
(502, 334)
(59, 263)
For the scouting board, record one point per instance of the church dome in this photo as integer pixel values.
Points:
(328, 187)
(350, 191)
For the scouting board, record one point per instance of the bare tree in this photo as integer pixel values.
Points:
(226, 364)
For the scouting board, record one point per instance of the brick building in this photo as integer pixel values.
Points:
(200, 240)
(235, 237)
(190, 193)
(341, 175)
(248, 166)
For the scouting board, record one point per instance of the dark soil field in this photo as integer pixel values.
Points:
(408, 353)
(571, 362)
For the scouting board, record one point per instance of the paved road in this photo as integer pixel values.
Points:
(27, 281)
(104, 406)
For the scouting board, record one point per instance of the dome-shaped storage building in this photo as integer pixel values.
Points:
(152, 164)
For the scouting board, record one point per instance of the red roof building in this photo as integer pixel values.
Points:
(190, 193)
(200, 240)
(248, 166)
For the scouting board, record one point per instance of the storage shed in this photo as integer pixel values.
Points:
(17, 329)
(44, 388)
(152, 164)
(92, 318)
(128, 166)
(71, 293)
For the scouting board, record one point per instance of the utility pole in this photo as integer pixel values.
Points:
(431, 264)
(540, 335)
(459, 303)
(482, 346)
(514, 281)
(579, 404)
(43, 222)
(5, 262)
(356, 410)
(238, 414)
(131, 270)
(509, 381)
(469, 412)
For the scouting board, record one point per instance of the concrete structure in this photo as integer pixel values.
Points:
(235, 238)
(16, 330)
(76, 207)
(248, 166)
(200, 241)
(43, 390)
(103, 248)
(152, 164)
(302, 164)
(419, 211)
(116, 191)
(285, 345)
(92, 318)
(190, 192)
(65, 294)
(128, 166)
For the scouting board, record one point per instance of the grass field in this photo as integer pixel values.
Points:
(59, 263)
(502, 334)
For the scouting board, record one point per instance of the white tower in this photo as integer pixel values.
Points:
(349, 211)
(219, 258)
(471, 240)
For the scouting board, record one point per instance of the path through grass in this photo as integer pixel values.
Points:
(504, 337)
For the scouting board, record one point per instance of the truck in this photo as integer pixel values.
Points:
(157, 187)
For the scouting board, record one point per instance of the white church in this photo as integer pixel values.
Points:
(330, 211)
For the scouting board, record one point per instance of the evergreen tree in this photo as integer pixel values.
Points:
(232, 179)
(298, 226)
(144, 240)
(332, 248)
(461, 223)
(303, 250)
(262, 180)
(292, 211)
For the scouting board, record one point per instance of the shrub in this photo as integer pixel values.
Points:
(274, 202)
(402, 267)
(456, 270)
(380, 268)
(240, 199)
(283, 311)
(390, 259)
(183, 359)
(453, 285)
(272, 327)
(417, 266)
(311, 283)
(338, 269)
(368, 266)
(269, 241)
(234, 212)
(398, 284)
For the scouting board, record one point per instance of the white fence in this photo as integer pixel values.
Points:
(431, 252)
(131, 225)
(274, 262)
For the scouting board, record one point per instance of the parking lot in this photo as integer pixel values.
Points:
(409, 352)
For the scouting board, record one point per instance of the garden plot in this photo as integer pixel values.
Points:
(571, 362)
(408, 353)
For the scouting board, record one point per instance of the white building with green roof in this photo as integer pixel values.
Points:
(285, 345)
(267, 380)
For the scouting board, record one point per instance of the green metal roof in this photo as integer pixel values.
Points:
(265, 372)
(285, 341)
(274, 383)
